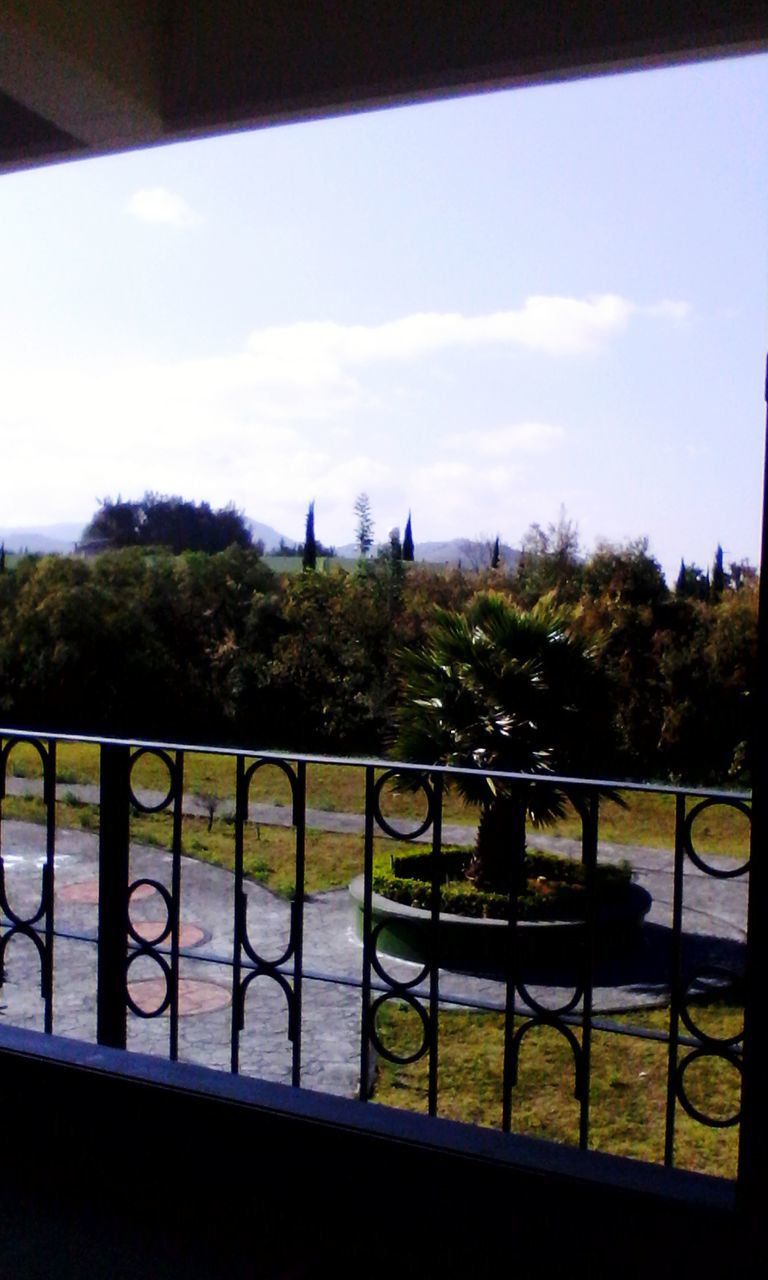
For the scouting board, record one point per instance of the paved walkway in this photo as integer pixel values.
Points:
(714, 926)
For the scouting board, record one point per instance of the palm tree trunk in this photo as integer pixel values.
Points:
(500, 848)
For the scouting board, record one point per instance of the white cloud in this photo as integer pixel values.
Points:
(553, 325)
(502, 442)
(450, 495)
(670, 309)
(157, 204)
(291, 415)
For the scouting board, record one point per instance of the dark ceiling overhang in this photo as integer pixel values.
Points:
(81, 77)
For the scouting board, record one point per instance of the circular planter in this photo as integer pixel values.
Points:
(481, 946)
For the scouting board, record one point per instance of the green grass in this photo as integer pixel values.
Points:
(26, 809)
(649, 820)
(628, 1084)
(329, 787)
(269, 854)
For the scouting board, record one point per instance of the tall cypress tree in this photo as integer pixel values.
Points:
(495, 556)
(408, 540)
(681, 586)
(718, 574)
(309, 555)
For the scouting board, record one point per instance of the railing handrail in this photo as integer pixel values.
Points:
(379, 762)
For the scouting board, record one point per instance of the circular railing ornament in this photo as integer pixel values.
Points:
(698, 859)
(165, 758)
(712, 1122)
(720, 980)
(402, 1060)
(396, 983)
(167, 902)
(386, 826)
(165, 969)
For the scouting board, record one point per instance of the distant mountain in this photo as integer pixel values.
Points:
(46, 539)
(468, 552)
(269, 536)
(41, 538)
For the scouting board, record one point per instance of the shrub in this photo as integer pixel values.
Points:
(555, 886)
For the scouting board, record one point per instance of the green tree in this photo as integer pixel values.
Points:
(692, 582)
(131, 644)
(170, 522)
(719, 580)
(495, 687)
(331, 671)
(495, 557)
(625, 573)
(549, 561)
(364, 530)
(408, 548)
(309, 554)
(742, 573)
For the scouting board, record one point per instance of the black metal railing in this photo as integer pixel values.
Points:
(366, 979)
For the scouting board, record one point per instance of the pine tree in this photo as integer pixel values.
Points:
(495, 557)
(408, 540)
(364, 532)
(309, 554)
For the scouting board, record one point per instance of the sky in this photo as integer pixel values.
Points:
(483, 311)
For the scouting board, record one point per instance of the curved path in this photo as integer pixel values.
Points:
(714, 928)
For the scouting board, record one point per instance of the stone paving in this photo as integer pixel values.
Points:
(331, 1013)
(714, 935)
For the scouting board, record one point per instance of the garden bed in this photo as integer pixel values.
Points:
(473, 932)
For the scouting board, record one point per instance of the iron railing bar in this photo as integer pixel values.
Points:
(365, 1015)
(405, 766)
(590, 820)
(297, 919)
(178, 818)
(509, 1069)
(676, 980)
(49, 880)
(434, 970)
(114, 863)
(603, 1025)
(241, 806)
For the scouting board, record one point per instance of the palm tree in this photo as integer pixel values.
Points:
(499, 688)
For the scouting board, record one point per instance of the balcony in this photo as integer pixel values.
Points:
(210, 1042)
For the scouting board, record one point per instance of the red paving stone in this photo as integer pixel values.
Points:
(195, 996)
(86, 893)
(190, 935)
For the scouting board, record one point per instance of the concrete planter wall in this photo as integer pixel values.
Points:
(480, 946)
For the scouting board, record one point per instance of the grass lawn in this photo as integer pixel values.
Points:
(628, 1084)
(269, 854)
(649, 819)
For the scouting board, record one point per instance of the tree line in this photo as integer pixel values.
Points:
(215, 648)
(157, 520)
